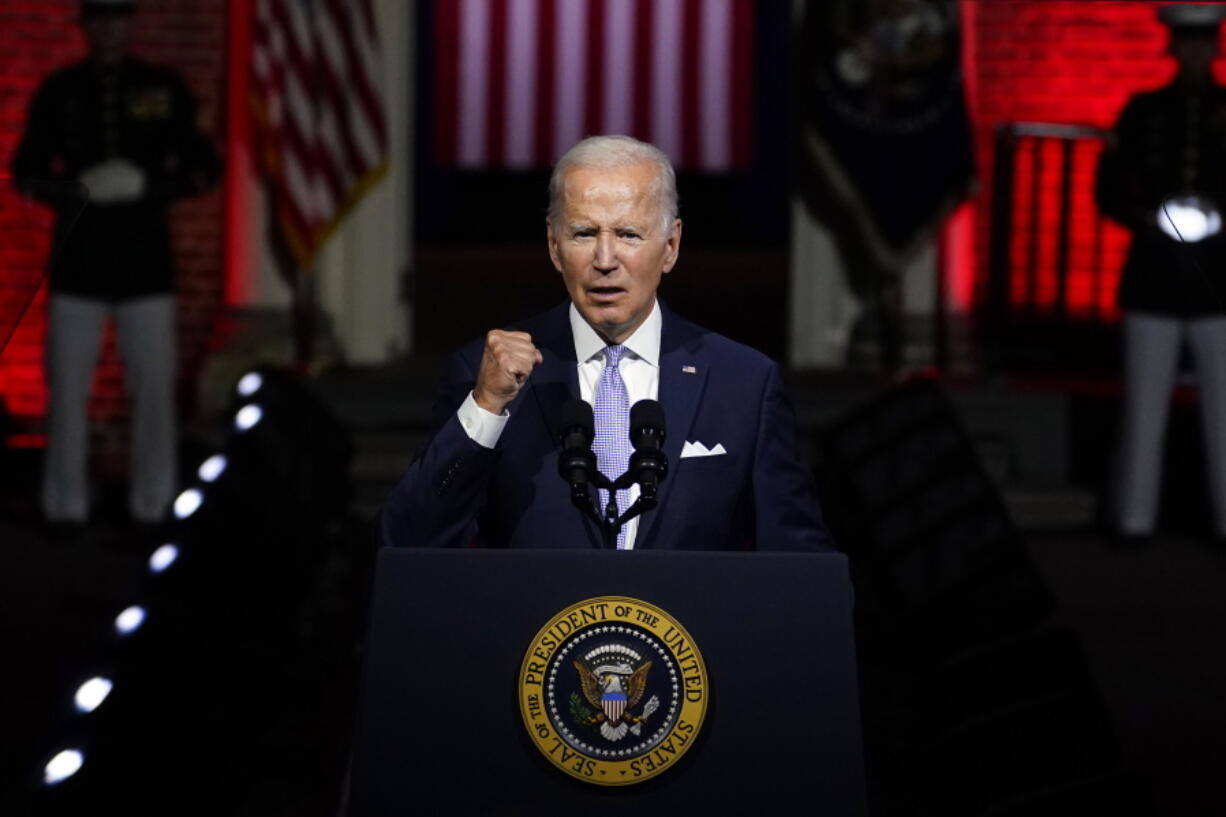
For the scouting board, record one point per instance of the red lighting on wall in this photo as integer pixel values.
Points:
(43, 37)
(37, 38)
(1060, 62)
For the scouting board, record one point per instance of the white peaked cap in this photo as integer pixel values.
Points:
(1192, 15)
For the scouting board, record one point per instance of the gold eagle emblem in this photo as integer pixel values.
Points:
(594, 688)
(613, 689)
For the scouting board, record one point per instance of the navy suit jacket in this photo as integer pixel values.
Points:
(713, 390)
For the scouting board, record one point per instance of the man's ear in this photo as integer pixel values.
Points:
(673, 247)
(551, 241)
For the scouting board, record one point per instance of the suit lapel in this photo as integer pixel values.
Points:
(553, 382)
(556, 379)
(683, 375)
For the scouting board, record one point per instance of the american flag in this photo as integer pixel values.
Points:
(517, 82)
(316, 90)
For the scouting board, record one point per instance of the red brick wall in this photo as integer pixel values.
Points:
(38, 36)
(1066, 62)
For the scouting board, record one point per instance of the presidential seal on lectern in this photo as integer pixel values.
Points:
(613, 690)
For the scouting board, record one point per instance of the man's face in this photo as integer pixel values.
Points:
(1195, 54)
(108, 34)
(611, 245)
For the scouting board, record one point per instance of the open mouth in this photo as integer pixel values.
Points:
(605, 293)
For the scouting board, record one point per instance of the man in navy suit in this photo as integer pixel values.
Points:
(489, 474)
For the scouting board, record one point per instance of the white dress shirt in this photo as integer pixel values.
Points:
(639, 368)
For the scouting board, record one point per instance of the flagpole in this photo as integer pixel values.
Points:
(287, 52)
(304, 318)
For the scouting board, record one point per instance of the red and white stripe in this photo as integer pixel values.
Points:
(316, 80)
(613, 708)
(517, 82)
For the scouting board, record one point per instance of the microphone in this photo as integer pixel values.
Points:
(577, 463)
(648, 463)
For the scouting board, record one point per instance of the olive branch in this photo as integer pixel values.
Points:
(581, 715)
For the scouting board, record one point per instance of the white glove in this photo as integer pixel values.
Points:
(113, 182)
(1188, 219)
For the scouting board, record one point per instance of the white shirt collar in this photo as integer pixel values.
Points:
(643, 344)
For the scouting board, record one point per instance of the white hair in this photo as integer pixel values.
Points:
(611, 151)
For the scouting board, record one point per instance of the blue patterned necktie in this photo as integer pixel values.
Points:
(611, 407)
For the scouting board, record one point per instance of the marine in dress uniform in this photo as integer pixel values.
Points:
(1168, 149)
(124, 130)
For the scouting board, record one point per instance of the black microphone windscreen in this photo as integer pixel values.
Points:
(578, 414)
(646, 414)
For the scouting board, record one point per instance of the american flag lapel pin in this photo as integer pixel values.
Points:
(687, 369)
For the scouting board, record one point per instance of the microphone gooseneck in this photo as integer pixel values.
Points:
(577, 463)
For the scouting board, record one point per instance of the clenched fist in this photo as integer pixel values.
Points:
(508, 359)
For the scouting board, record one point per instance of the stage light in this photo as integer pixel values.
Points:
(250, 383)
(163, 558)
(92, 693)
(287, 457)
(212, 468)
(129, 620)
(63, 766)
(248, 416)
(188, 503)
(294, 410)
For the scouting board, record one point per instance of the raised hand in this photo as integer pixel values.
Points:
(508, 359)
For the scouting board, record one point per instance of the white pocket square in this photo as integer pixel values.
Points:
(697, 449)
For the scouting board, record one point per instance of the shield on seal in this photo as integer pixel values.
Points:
(614, 705)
